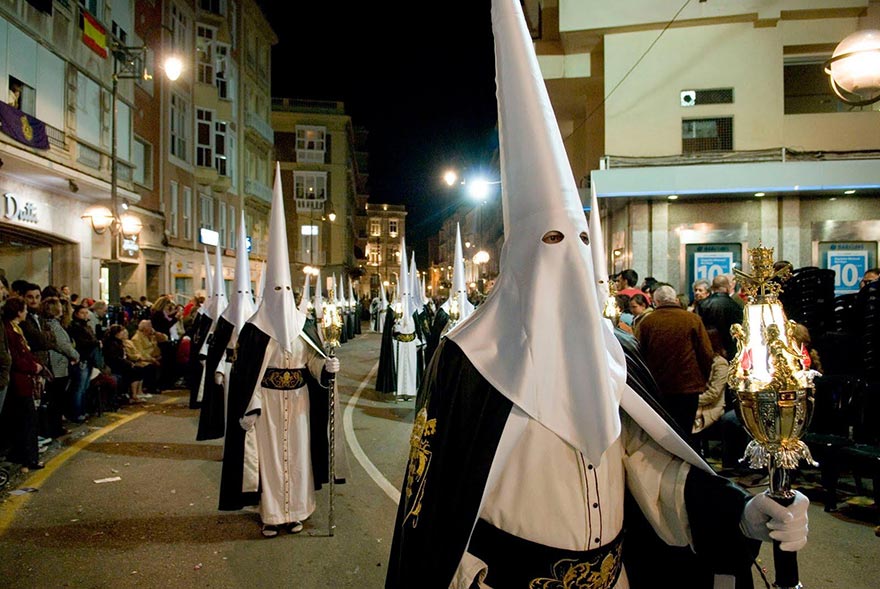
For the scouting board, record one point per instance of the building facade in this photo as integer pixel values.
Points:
(317, 148)
(707, 136)
(386, 226)
(180, 146)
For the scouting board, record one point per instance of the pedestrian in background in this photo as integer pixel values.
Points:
(61, 355)
(24, 385)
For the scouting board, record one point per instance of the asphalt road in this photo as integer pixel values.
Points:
(158, 526)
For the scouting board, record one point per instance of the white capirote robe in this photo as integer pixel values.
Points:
(576, 505)
(278, 448)
(406, 359)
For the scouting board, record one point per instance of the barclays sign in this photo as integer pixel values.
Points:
(24, 211)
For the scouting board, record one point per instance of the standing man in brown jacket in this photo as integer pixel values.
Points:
(677, 349)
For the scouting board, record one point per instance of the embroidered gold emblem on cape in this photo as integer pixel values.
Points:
(599, 573)
(283, 378)
(405, 337)
(419, 463)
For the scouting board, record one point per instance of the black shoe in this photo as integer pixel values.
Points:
(269, 531)
(295, 527)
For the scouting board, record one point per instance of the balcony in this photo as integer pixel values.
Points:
(262, 128)
(258, 189)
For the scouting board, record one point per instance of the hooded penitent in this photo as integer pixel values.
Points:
(278, 315)
(459, 286)
(544, 303)
(597, 247)
(241, 305)
(304, 302)
(209, 278)
(217, 302)
(418, 301)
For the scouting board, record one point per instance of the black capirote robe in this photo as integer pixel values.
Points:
(386, 378)
(212, 418)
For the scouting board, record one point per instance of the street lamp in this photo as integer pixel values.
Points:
(855, 68)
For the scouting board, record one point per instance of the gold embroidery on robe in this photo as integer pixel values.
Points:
(405, 337)
(283, 378)
(599, 573)
(419, 463)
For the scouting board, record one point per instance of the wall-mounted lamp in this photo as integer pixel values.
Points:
(854, 67)
(101, 219)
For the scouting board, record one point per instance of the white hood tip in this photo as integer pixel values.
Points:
(552, 354)
(278, 315)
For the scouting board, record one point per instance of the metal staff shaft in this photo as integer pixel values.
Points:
(331, 520)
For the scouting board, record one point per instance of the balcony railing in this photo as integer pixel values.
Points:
(260, 126)
(258, 189)
(781, 154)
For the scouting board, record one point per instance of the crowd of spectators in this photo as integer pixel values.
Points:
(64, 358)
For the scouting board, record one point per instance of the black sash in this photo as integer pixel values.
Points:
(516, 563)
(283, 378)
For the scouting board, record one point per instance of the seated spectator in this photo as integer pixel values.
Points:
(128, 377)
(625, 321)
(147, 353)
(710, 406)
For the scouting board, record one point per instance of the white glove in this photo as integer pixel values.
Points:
(219, 377)
(765, 519)
(247, 422)
(331, 365)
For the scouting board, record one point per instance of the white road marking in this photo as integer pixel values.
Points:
(350, 437)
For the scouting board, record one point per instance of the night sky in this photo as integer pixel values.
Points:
(422, 83)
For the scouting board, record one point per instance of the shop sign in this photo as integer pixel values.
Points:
(25, 211)
(849, 267)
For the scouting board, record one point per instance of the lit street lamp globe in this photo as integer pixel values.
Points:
(481, 257)
(855, 67)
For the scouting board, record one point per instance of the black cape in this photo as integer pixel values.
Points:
(438, 325)
(358, 312)
(250, 352)
(386, 379)
(200, 330)
(449, 478)
(212, 418)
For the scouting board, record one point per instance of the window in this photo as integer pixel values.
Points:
(205, 36)
(215, 6)
(220, 148)
(206, 211)
(22, 96)
(807, 89)
(204, 138)
(310, 185)
(232, 224)
(230, 155)
(224, 74)
(92, 6)
(375, 257)
(88, 110)
(142, 158)
(310, 144)
(707, 135)
(392, 227)
(187, 212)
(221, 223)
(375, 227)
(179, 135)
(180, 33)
(308, 240)
(119, 32)
(172, 215)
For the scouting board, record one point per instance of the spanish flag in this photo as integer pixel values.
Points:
(94, 34)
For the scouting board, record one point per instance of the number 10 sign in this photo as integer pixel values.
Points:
(849, 267)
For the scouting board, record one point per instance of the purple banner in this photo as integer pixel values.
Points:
(23, 127)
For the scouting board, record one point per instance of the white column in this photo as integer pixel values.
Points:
(659, 266)
(770, 225)
(790, 224)
(640, 238)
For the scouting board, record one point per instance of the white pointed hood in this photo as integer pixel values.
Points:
(209, 281)
(418, 301)
(304, 301)
(404, 285)
(217, 303)
(384, 298)
(351, 300)
(241, 305)
(552, 355)
(597, 246)
(459, 286)
(319, 298)
(278, 316)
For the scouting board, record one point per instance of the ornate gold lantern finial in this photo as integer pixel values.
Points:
(610, 310)
(774, 389)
